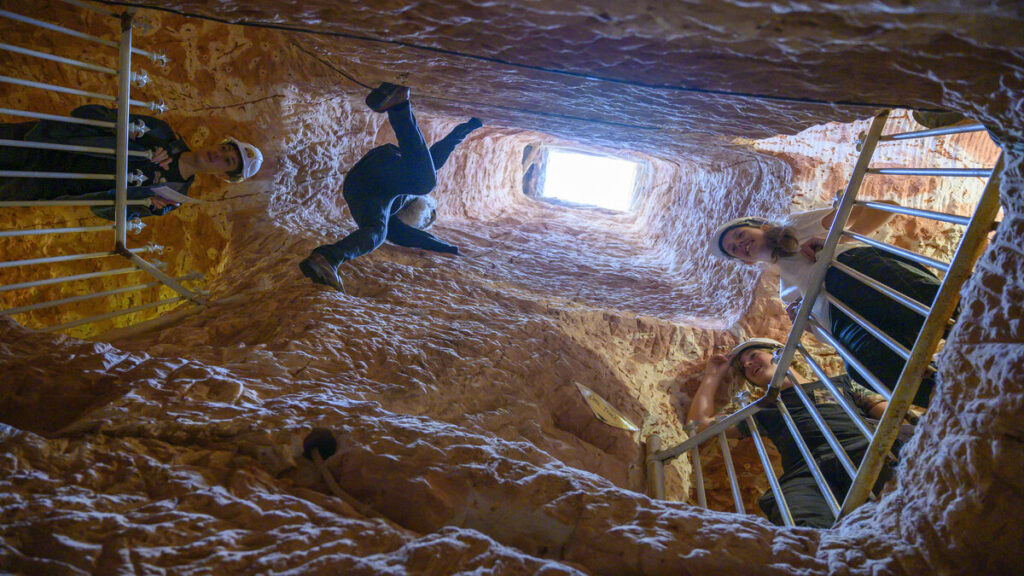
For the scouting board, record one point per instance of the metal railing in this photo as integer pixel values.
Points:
(937, 317)
(123, 129)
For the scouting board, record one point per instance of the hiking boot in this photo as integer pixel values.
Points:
(387, 96)
(320, 271)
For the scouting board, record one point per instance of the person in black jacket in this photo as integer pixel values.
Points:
(172, 166)
(754, 361)
(387, 190)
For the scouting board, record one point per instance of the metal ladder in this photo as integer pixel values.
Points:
(917, 358)
(123, 129)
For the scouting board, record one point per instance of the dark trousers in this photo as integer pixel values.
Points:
(804, 499)
(385, 174)
(898, 321)
(37, 160)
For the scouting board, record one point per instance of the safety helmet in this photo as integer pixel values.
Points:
(251, 156)
(754, 343)
(716, 240)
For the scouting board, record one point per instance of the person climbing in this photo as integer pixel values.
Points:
(792, 247)
(753, 361)
(172, 166)
(387, 190)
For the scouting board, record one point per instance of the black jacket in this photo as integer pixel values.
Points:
(160, 135)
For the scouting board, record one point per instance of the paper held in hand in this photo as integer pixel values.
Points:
(169, 194)
(604, 411)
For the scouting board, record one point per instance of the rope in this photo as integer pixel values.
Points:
(687, 89)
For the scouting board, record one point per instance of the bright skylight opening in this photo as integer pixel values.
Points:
(591, 180)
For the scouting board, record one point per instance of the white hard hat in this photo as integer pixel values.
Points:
(716, 239)
(754, 343)
(252, 159)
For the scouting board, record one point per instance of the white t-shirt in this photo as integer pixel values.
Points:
(795, 271)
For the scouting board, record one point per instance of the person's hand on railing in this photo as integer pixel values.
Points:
(161, 158)
(810, 248)
(793, 308)
(159, 203)
(914, 414)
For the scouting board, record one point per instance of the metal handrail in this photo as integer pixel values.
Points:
(135, 178)
(40, 231)
(54, 58)
(931, 133)
(154, 106)
(830, 437)
(702, 497)
(66, 258)
(718, 426)
(123, 119)
(875, 331)
(154, 56)
(960, 172)
(34, 203)
(773, 481)
(123, 129)
(94, 295)
(930, 214)
(62, 279)
(819, 478)
(70, 148)
(737, 496)
(160, 275)
(136, 129)
(827, 252)
(71, 119)
(971, 245)
(113, 314)
(890, 292)
(938, 265)
(826, 336)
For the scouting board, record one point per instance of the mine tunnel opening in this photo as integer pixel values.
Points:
(578, 177)
(588, 179)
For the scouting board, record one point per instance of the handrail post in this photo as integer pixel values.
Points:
(737, 496)
(773, 481)
(655, 468)
(825, 256)
(698, 471)
(162, 276)
(123, 95)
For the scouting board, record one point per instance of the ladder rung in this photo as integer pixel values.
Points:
(940, 216)
(934, 132)
(962, 172)
(938, 265)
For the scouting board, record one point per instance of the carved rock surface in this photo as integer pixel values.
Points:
(448, 381)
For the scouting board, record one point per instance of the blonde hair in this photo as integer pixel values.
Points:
(781, 240)
(420, 212)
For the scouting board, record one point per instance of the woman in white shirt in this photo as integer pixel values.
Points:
(792, 247)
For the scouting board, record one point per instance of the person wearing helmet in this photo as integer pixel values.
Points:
(170, 165)
(754, 362)
(792, 246)
(387, 190)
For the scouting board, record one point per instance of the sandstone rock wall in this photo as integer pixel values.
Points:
(448, 380)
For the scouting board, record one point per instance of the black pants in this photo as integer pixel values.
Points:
(898, 321)
(385, 174)
(37, 160)
(803, 497)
